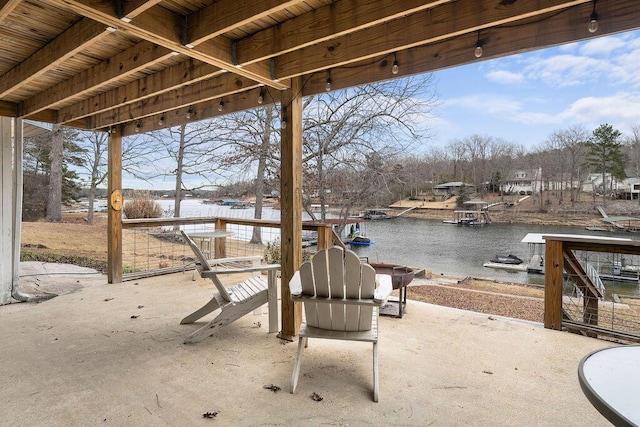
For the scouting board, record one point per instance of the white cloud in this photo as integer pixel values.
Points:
(603, 46)
(505, 77)
(566, 70)
(609, 61)
(621, 110)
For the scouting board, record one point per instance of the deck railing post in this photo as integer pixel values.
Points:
(116, 202)
(220, 243)
(553, 268)
(325, 236)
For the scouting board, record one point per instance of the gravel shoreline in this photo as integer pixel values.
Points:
(484, 296)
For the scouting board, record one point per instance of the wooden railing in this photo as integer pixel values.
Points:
(170, 226)
(562, 265)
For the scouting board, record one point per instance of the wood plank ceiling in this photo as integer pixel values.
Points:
(149, 64)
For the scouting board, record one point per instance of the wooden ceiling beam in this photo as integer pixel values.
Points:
(132, 60)
(8, 109)
(616, 16)
(221, 88)
(6, 7)
(67, 44)
(205, 110)
(162, 27)
(133, 8)
(187, 72)
(563, 28)
(322, 24)
(418, 29)
(226, 15)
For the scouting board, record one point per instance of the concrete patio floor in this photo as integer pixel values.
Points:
(113, 355)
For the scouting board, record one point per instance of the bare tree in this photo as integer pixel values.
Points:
(137, 151)
(632, 150)
(253, 140)
(347, 126)
(566, 148)
(190, 151)
(339, 128)
(505, 157)
(457, 153)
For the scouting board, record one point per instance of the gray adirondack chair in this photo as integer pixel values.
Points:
(237, 300)
(341, 296)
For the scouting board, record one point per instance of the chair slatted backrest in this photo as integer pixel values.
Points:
(204, 265)
(338, 274)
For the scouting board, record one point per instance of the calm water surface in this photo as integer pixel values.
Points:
(460, 250)
(442, 248)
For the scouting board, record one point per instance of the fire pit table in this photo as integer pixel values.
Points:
(401, 276)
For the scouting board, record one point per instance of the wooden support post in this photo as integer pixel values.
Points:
(325, 237)
(553, 268)
(291, 203)
(114, 214)
(220, 243)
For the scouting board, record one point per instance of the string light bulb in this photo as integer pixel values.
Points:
(161, 121)
(138, 126)
(189, 113)
(593, 19)
(221, 106)
(327, 86)
(395, 68)
(261, 97)
(478, 50)
(283, 124)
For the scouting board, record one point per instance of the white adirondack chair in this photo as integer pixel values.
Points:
(237, 300)
(341, 296)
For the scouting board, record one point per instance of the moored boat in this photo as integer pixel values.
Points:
(509, 259)
(360, 241)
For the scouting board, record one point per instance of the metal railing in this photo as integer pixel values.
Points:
(591, 286)
(154, 246)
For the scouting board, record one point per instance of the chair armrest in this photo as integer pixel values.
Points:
(210, 273)
(252, 258)
(295, 285)
(383, 290)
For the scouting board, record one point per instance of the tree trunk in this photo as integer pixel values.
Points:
(262, 167)
(95, 171)
(180, 160)
(604, 190)
(92, 198)
(321, 189)
(54, 202)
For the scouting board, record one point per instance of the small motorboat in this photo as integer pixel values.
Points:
(509, 259)
(360, 241)
(356, 238)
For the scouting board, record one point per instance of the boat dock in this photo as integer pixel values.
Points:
(508, 267)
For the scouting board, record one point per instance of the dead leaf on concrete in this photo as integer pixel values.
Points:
(273, 388)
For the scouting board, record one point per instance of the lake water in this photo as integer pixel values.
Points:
(442, 248)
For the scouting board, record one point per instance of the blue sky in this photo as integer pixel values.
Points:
(524, 98)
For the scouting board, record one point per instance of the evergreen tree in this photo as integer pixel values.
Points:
(604, 155)
(38, 171)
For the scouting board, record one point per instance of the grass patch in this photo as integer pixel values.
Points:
(81, 261)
